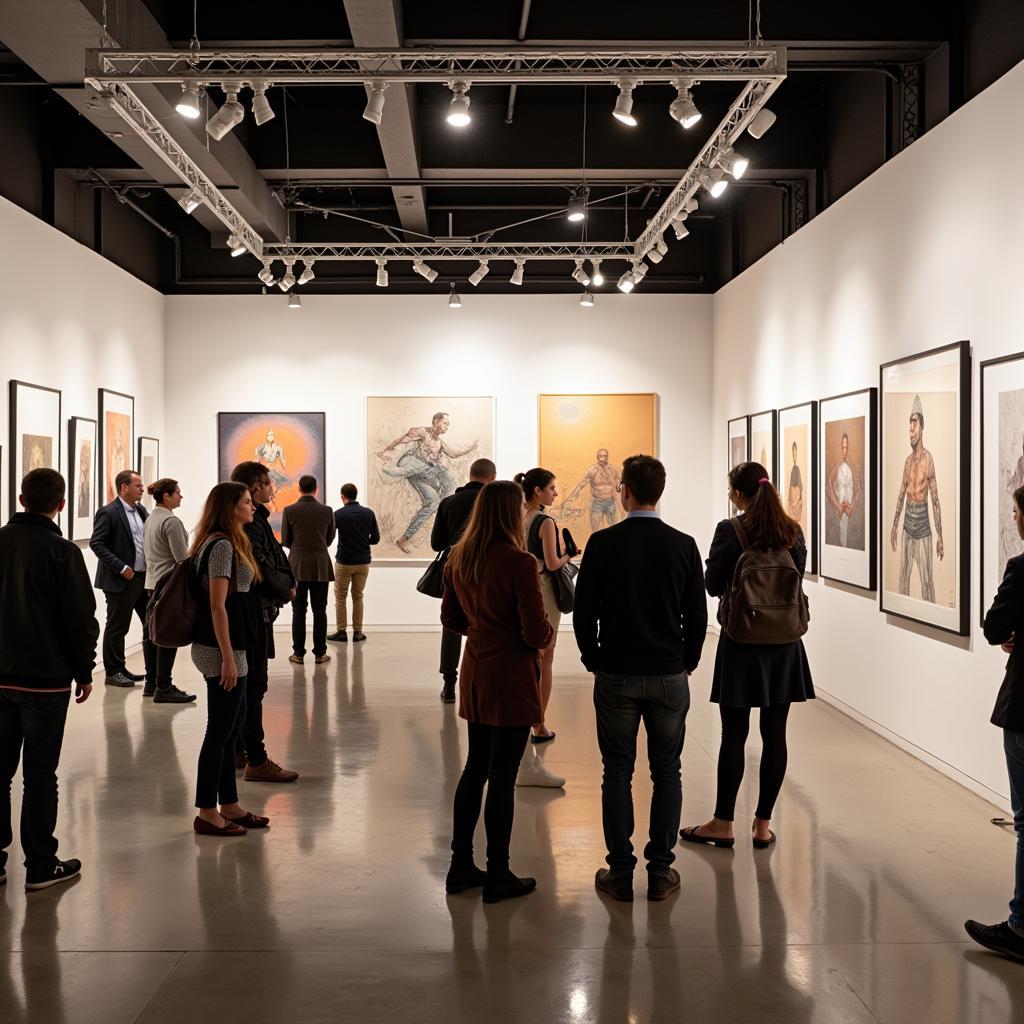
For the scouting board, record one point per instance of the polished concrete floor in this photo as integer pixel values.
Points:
(338, 912)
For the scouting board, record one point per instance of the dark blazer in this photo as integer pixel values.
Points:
(113, 545)
(1006, 619)
(276, 577)
(357, 532)
(504, 619)
(307, 529)
(452, 515)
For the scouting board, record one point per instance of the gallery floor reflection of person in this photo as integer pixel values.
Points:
(492, 597)
(1004, 620)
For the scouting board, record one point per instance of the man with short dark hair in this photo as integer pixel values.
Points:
(48, 635)
(275, 589)
(640, 619)
(357, 532)
(307, 529)
(118, 542)
(452, 515)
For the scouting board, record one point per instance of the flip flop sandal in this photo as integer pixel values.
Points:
(691, 835)
(763, 844)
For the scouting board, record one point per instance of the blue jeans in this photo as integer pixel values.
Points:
(1013, 745)
(431, 482)
(621, 702)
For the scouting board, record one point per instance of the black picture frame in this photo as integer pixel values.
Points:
(14, 388)
(101, 479)
(962, 625)
(745, 420)
(783, 489)
(75, 424)
(774, 413)
(140, 444)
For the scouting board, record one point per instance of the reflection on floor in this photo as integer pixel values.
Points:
(338, 913)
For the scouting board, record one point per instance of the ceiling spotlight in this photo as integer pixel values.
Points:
(577, 209)
(714, 181)
(424, 271)
(517, 274)
(627, 282)
(624, 104)
(307, 275)
(375, 102)
(191, 200)
(287, 279)
(734, 163)
(188, 105)
(682, 108)
(266, 275)
(586, 299)
(454, 302)
(480, 273)
(691, 205)
(236, 245)
(261, 109)
(658, 253)
(596, 277)
(382, 273)
(229, 116)
(580, 275)
(458, 111)
(762, 121)
(294, 301)
(679, 225)
(639, 270)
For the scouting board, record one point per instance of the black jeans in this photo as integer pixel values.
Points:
(451, 651)
(732, 758)
(121, 605)
(494, 755)
(662, 703)
(316, 594)
(215, 779)
(249, 737)
(31, 730)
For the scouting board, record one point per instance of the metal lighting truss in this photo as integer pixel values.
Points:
(441, 250)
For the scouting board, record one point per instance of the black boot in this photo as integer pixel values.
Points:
(448, 690)
(504, 885)
(463, 875)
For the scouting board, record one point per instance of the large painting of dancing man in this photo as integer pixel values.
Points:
(583, 440)
(798, 473)
(289, 444)
(925, 438)
(419, 450)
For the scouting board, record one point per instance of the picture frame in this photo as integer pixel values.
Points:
(798, 481)
(848, 552)
(737, 440)
(148, 467)
(83, 466)
(116, 432)
(924, 563)
(764, 441)
(35, 432)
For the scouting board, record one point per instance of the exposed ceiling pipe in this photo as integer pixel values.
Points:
(523, 19)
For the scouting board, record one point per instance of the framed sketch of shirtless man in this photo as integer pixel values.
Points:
(797, 460)
(925, 441)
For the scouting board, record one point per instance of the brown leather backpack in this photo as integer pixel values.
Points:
(766, 603)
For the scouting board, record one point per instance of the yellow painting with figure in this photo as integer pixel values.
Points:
(583, 440)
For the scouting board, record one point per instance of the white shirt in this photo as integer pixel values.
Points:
(844, 483)
(135, 524)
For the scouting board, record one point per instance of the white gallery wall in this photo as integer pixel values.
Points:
(251, 353)
(72, 320)
(925, 252)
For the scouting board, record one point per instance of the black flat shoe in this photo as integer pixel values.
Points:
(507, 887)
(691, 835)
(542, 739)
(462, 877)
(763, 844)
(1000, 938)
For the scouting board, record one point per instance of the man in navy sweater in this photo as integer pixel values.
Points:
(357, 533)
(640, 620)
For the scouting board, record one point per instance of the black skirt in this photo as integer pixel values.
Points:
(760, 675)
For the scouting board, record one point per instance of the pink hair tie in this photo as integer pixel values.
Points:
(763, 480)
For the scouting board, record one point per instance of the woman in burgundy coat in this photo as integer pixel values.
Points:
(492, 596)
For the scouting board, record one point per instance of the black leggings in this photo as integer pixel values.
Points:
(732, 758)
(494, 755)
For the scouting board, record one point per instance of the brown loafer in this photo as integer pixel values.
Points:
(250, 820)
(204, 828)
(619, 887)
(295, 659)
(660, 887)
(322, 659)
(269, 771)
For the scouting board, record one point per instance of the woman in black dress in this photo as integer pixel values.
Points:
(765, 676)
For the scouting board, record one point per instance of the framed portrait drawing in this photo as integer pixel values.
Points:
(1002, 467)
(846, 488)
(116, 439)
(83, 452)
(763, 441)
(925, 466)
(35, 431)
(148, 465)
(738, 449)
(797, 461)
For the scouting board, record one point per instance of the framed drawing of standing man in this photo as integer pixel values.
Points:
(738, 431)
(82, 476)
(926, 453)
(116, 439)
(763, 430)
(797, 477)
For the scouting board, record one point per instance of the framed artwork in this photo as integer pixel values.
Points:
(116, 439)
(418, 450)
(149, 467)
(797, 459)
(1002, 467)
(925, 431)
(763, 429)
(738, 441)
(289, 444)
(34, 432)
(583, 440)
(846, 488)
(82, 476)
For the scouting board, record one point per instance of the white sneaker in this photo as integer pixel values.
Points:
(533, 772)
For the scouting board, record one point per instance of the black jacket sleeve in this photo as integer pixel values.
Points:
(276, 578)
(799, 553)
(1004, 616)
(695, 611)
(439, 538)
(375, 529)
(102, 536)
(722, 558)
(78, 617)
(586, 611)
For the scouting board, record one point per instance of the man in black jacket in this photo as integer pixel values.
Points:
(48, 637)
(117, 542)
(640, 619)
(357, 533)
(449, 522)
(276, 588)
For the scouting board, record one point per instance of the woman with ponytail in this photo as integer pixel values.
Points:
(747, 675)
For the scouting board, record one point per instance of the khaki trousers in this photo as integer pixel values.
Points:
(356, 575)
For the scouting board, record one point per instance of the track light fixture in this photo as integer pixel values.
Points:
(188, 104)
(580, 275)
(458, 111)
(577, 209)
(624, 104)
(596, 277)
(236, 245)
(734, 163)
(586, 299)
(658, 253)
(307, 275)
(627, 282)
(191, 200)
(682, 108)
(375, 102)
(266, 275)
(691, 205)
(517, 274)
(287, 279)
(424, 271)
(454, 302)
(714, 181)
(480, 273)
(382, 273)
(679, 225)
(228, 117)
(262, 112)
(761, 122)
(294, 301)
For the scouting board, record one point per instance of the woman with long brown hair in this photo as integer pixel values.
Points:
(492, 597)
(751, 675)
(227, 622)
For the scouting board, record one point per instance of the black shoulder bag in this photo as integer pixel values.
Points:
(561, 579)
(431, 582)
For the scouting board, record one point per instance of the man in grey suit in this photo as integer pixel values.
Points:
(307, 529)
(117, 542)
